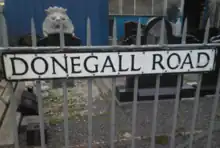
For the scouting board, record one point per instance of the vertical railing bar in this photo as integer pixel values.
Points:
(134, 111)
(184, 34)
(112, 144)
(154, 122)
(114, 43)
(182, 13)
(152, 8)
(218, 19)
(65, 95)
(33, 33)
(135, 5)
(2, 30)
(177, 98)
(90, 113)
(90, 99)
(195, 110)
(13, 109)
(5, 32)
(213, 12)
(206, 35)
(135, 94)
(13, 101)
(156, 95)
(196, 103)
(114, 40)
(165, 8)
(120, 7)
(176, 107)
(38, 90)
(162, 30)
(182, 7)
(138, 40)
(65, 106)
(214, 110)
(162, 34)
(215, 103)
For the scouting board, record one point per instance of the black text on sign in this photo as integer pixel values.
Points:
(62, 65)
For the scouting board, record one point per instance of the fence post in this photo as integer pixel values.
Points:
(135, 6)
(135, 94)
(215, 103)
(214, 110)
(156, 95)
(165, 8)
(114, 43)
(90, 99)
(182, 15)
(120, 7)
(38, 90)
(152, 7)
(197, 95)
(206, 35)
(177, 97)
(65, 94)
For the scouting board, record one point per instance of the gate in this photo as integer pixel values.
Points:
(112, 57)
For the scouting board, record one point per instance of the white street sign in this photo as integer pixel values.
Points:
(62, 65)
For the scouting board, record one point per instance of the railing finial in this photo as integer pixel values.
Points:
(184, 34)
(62, 39)
(88, 32)
(165, 8)
(33, 33)
(162, 32)
(206, 35)
(138, 39)
(5, 32)
(114, 33)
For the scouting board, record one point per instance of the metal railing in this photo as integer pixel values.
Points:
(116, 48)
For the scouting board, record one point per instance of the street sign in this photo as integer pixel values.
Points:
(29, 66)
